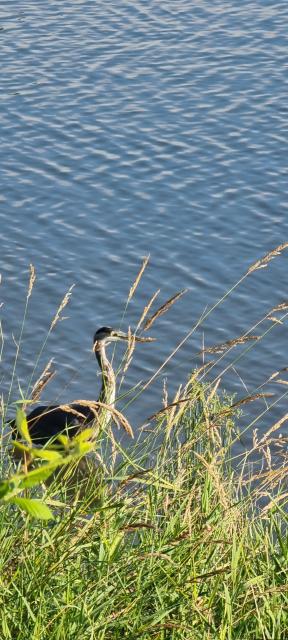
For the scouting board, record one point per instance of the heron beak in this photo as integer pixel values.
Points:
(119, 335)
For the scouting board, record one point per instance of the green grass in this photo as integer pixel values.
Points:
(168, 542)
(171, 537)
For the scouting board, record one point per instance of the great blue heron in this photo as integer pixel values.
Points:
(47, 422)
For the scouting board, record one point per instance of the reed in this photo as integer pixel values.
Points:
(169, 535)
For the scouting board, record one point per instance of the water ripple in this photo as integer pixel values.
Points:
(129, 129)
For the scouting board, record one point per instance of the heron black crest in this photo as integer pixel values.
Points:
(103, 332)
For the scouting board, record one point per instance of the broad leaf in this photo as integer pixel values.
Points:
(4, 488)
(43, 454)
(83, 448)
(63, 440)
(84, 435)
(21, 446)
(22, 426)
(35, 508)
(46, 454)
(37, 475)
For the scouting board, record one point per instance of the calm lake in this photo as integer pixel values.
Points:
(136, 128)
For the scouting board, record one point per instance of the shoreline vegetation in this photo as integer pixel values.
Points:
(166, 535)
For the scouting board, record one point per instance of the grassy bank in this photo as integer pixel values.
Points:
(168, 542)
(168, 537)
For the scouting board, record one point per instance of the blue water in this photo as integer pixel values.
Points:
(135, 128)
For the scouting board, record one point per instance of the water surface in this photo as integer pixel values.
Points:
(137, 128)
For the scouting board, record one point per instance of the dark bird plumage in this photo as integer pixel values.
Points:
(47, 422)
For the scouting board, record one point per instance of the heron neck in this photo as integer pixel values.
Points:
(107, 393)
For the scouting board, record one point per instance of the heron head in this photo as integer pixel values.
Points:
(105, 335)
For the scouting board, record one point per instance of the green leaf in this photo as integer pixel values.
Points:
(84, 435)
(35, 508)
(63, 440)
(83, 448)
(4, 488)
(43, 454)
(21, 446)
(22, 425)
(46, 454)
(37, 475)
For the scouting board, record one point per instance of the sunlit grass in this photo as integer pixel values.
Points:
(165, 541)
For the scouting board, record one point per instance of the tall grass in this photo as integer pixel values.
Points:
(169, 537)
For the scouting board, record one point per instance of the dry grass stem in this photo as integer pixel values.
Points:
(274, 427)
(276, 373)
(147, 308)
(263, 262)
(164, 307)
(138, 278)
(130, 350)
(283, 306)
(118, 417)
(271, 505)
(114, 449)
(269, 478)
(92, 404)
(195, 375)
(40, 384)
(212, 393)
(168, 408)
(246, 400)
(61, 307)
(171, 416)
(131, 338)
(255, 396)
(31, 281)
(165, 394)
(69, 409)
(274, 319)
(221, 348)
(252, 398)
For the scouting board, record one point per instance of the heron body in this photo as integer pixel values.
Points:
(47, 422)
